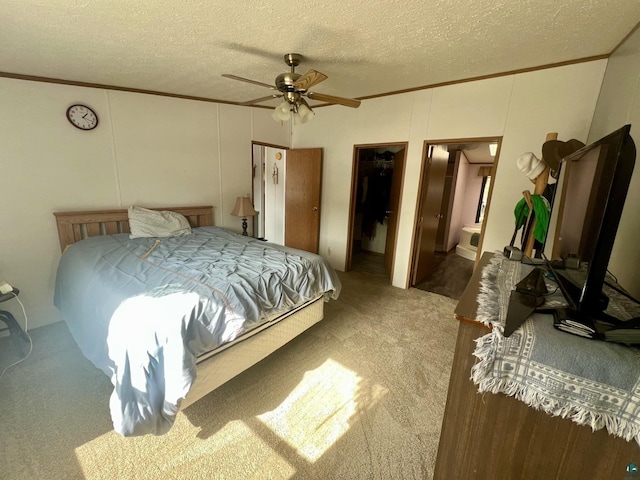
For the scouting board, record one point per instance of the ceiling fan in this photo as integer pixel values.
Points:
(293, 87)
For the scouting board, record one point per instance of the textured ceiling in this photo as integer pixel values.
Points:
(366, 47)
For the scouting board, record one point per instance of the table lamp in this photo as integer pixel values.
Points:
(244, 209)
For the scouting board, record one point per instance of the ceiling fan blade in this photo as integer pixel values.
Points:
(235, 77)
(322, 97)
(309, 79)
(261, 99)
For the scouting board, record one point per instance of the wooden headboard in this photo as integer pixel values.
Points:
(74, 226)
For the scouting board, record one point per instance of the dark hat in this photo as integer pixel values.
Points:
(553, 151)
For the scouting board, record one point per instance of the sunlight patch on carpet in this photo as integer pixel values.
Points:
(209, 456)
(251, 454)
(321, 409)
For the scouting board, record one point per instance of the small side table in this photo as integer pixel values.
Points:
(15, 330)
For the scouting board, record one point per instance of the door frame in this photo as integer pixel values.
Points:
(423, 183)
(354, 190)
(261, 144)
(253, 162)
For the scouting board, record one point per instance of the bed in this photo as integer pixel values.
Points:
(156, 313)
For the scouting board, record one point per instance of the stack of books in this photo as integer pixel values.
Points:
(563, 320)
(619, 331)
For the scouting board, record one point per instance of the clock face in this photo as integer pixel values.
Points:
(82, 117)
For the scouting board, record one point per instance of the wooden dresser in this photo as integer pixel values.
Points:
(494, 436)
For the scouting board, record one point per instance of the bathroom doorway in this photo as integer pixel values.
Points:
(454, 198)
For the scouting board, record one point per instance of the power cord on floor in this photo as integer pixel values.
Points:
(26, 331)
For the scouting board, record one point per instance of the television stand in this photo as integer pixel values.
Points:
(573, 291)
(597, 323)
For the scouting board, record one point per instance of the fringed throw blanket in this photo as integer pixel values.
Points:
(591, 382)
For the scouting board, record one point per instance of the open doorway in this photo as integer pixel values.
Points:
(286, 189)
(454, 198)
(374, 210)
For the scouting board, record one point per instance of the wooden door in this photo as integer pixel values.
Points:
(303, 185)
(393, 211)
(446, 208)
(429, 212)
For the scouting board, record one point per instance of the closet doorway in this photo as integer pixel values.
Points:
(377, 178)
(454, 195)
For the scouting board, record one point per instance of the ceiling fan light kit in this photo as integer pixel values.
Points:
(299, 109)
(293, 87)
(281, 112)
(304, 112)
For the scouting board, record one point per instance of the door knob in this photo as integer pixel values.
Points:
(315, 209)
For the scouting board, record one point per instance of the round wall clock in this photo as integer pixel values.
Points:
(82, 117)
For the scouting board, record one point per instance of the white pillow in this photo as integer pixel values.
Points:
(151, 223)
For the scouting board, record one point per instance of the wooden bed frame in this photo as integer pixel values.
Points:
(221, 365)
(75, 226)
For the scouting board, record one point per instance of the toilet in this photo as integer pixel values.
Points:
(469, 238)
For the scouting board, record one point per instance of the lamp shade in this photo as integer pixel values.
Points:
(282, 112)
(243, 208)
(295, 106)
(304, 112)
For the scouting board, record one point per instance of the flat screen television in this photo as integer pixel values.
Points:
(595, 185)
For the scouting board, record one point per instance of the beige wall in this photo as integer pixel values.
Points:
(618, 105)
(147, 150)
(159, 151)
(521, 108)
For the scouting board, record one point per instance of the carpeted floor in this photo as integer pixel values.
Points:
(361, 395)
(450, 275)
(371, 264)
